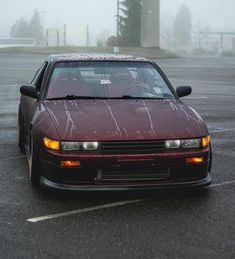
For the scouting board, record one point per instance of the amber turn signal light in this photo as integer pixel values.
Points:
(194, 160)
(51, 144)
(70, 163)
(206, 141)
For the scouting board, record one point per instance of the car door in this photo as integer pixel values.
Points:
(29, 105)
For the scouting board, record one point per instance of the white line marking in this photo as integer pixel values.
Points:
(221, 184)
(222, 96)
(222, 130)
(197, 97)
(9, 95)
(12, 158)
(15, 69)
(201, 82)
(10, 105)
(8, 126)
(211, 96)
(80, 211)
(195, 66)
(105, 206)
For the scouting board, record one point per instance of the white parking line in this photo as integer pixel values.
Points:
(105, 206)
(9, 95)
(9, 105)
(222, 130)
(221, 184)
(80, 211)
(211, 96)
(195, 66)
(197, 97)
(12, 158)
(8, 126)
(183, 82)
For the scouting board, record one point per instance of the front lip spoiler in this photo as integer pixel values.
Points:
(190, 184)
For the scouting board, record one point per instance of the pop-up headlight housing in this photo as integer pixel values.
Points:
(80, 146)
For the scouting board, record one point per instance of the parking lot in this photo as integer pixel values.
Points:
(159, 224)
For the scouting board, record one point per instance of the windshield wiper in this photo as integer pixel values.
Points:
(138, 97)
(75, 97)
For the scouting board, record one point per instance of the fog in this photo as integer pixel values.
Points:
(100, 15)
(214, 13)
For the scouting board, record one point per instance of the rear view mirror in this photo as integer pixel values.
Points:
(30, 91)
(183, 91)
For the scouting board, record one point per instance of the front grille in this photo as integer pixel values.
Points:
(134, 175)
(132, 147)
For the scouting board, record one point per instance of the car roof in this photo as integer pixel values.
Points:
(94, 57)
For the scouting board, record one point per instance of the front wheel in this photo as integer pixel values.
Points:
(34, 170)
(21, 132)
(210, 165)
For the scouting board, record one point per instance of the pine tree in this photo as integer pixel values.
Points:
(35, 28)
(130, 22)
(28, 29)
(20, 29)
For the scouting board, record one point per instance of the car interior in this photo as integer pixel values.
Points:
(102, 82)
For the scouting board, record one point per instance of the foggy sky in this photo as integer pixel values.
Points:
(100, 14)
(217, 14)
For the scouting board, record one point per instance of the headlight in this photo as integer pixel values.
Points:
(70, 146)
(90, 145)
(190, 143)
(172, 144)
(76, 146)
(187, 143)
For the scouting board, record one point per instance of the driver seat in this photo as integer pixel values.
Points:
(120, 82)
(68, 83)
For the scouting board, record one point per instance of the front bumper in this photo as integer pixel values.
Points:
(128, 187)
(125, 172)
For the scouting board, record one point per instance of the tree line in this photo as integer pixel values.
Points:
(32, 28)
(128, 26)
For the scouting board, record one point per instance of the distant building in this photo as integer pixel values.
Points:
(76, 35)
(233, 44)
(16, 42)
(150, 23)
(52, 37)
(219, 39)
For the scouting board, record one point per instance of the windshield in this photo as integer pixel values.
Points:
(107, 80)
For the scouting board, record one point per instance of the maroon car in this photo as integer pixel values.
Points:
(110, 122)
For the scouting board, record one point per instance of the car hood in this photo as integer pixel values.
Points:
(124, 119)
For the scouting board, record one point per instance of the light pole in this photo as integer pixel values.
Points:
(42, 14)
(118, 17)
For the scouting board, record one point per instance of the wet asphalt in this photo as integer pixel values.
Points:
(159, 224)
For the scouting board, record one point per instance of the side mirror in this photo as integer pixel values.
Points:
(183, 91)
(30, 91)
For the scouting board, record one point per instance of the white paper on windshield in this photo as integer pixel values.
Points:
(105, 82)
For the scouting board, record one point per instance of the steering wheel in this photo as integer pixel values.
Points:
(136, 89)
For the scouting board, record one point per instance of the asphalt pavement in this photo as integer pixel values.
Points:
(160, 224)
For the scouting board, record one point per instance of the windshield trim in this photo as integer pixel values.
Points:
(151, 62)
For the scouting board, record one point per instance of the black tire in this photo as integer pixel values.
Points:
(34, 170)
(21, 132)
(211, 159)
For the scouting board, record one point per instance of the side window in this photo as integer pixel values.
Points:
(37, 80)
